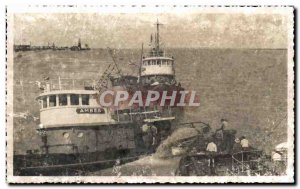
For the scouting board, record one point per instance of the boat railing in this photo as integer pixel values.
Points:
(246, 161)
(69, 84)
(158, 54)
(143, 113)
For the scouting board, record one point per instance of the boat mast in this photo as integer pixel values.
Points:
(141, 61)
(157, 37)
(157, 34)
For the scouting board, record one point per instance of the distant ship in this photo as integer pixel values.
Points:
(30, 47)
(79, 47)
(22, 48)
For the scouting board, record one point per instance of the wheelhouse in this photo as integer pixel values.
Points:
(157, 66)
(64, 108)
(56, 99)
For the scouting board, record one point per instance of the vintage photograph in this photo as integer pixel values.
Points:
(169, 94)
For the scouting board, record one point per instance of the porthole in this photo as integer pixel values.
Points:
(66, 135)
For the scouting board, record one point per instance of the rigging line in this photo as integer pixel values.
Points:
(272, 130)
(114, 60)
(284, 117)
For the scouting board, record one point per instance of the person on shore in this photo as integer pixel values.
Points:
(211, 150)
(237, 147)
(220, 135)
(150, 137)
(224, 124)
(244, 143)
(245, 148)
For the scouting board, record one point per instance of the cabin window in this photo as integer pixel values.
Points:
(52, 101)
(74, 99)
(85, 98)
(45, 102)
(63, 100)
(159, 62)
(164, 62)
(41, 103)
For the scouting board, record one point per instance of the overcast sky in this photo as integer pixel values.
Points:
(130, 30)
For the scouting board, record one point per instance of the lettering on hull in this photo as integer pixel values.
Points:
(90, 111)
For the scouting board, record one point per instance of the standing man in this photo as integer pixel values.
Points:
(244, 143)
(245, 147)
(220, 135)
(149, 137)
(224, 124)
(117, 168)
(154, 132)
(211, 150)
(237, 147)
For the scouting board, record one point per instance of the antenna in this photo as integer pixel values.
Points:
(141, 62)
(157, 36)
(79, 43)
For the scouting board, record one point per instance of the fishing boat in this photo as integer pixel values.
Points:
(76, 131)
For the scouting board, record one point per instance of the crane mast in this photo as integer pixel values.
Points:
(102, 82)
